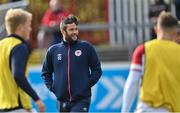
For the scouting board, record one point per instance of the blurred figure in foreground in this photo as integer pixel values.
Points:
(15, 90)
(14, 0)
(71, 68)
(177, 39)
(52, 19)
(177, 8)
(155, 71)
(154, 10)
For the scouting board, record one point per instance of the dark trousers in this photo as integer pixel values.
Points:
(74, 106)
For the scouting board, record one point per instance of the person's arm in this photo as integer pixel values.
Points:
(132, 85)
(95, 67)
(47, 71)
(19, 58)
(18, 61)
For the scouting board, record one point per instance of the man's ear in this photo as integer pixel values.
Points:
(19, 29)
(62, 31)
(155, 29)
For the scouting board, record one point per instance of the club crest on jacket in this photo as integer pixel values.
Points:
(78, 52)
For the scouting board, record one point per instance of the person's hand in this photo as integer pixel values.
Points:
(40, 105)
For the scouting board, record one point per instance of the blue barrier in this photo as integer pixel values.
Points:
(106, 94)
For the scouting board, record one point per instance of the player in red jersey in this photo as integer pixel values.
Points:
(154, 71)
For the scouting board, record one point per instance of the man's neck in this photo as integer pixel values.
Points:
(165, 36)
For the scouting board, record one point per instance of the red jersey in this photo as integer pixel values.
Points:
(137, 58)
(51, 18)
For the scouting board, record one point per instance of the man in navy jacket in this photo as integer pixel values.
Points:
(71, 68)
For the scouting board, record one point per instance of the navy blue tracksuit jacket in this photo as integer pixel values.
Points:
(70, 70)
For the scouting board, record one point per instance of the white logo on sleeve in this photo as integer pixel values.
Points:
(59, 56)
(78, 52)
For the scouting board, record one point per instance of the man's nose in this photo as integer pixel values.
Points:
(75, 31)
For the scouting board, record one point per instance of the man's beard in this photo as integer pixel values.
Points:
(71, 39)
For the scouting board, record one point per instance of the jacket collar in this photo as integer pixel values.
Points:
(66, 43)
(17, 36)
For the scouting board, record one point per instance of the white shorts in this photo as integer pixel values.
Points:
(143, 107)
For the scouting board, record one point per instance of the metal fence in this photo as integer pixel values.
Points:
(128, 23)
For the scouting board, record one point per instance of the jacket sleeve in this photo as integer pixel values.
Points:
(18, 60)
(133, 83)
(131, 90)
(95, 67)
(47, 71)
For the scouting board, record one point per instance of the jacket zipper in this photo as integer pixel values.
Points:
(69, 84)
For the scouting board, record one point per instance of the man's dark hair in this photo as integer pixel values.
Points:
(167, 20)
(69, 20)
